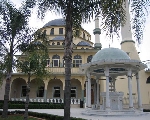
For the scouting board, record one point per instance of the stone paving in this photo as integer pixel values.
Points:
(76, 112)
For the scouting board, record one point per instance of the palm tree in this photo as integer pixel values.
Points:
(13, 30)
(77, 11)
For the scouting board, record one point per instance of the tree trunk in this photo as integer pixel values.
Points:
(27, 98)
(68, 61)
(6, 96)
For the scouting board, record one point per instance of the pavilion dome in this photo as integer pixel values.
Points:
(110, 54)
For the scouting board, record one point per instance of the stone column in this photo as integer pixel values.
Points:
(95, 93)
(86, 82)
(89, 90)
(139, 94)
(107, 88)
(97, 81)
(45, 90)
(130, 88)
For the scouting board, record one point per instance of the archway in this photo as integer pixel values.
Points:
(18, 88)
(55, 89)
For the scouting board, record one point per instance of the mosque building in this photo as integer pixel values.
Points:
(84, 52)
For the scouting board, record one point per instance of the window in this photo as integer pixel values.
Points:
(56, 60)
(77, 61)
(60, 30)
(148, 80)
(23, 91)
(63, 43)
(48, 62)
(89, 58)
(77, 33)
(40, 92)
(73, 92)
(53, 43)
(58, 43)
(83, 35)
(56, 92)
(52, 31)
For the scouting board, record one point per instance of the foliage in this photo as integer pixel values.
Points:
(13, 31)
(111, 12)
(35, 61)
(33, 105)
(139, 10)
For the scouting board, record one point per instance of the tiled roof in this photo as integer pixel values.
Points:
(83, 43)
(56, 22)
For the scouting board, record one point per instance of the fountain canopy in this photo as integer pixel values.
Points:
(115, 59)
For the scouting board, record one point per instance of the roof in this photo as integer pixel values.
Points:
(83, 43)
(56, 22)
(59, 38)
(110, 54)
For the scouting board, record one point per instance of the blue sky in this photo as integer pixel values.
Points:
(143, 48)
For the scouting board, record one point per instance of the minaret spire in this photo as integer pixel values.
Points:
(97, 32)
(128, 44)
(126, 29)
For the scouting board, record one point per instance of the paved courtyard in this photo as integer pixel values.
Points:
(76, 112)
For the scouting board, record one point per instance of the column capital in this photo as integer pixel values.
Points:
(88, 74)
(129, 73)
(137, 75)
(106, 71)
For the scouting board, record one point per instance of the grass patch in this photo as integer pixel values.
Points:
(16, 117)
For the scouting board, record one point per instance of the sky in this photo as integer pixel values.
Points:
(143, 48)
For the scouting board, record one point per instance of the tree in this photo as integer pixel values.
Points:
(13, 31)
(75, 12)
(140, 11)
(34, 65)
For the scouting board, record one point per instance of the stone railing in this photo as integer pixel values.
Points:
(73, 101)
(61, 70)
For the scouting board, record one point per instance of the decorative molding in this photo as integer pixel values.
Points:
(127, 41)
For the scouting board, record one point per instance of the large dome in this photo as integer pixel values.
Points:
(110, 54)
(56, 22)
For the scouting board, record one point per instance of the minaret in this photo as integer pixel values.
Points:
(97, 32)
(127, 44)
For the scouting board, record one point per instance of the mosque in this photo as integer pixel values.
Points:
(105, 78)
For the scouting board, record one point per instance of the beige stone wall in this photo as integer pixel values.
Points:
(2, 90)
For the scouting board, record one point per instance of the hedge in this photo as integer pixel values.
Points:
(41, 115)
(32, 105)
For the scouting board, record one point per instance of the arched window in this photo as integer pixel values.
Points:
(89, 58)
(148, 80)
(52, 31)
(56, 61)
(77, 60)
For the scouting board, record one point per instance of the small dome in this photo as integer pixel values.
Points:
(83, 43)
(56, 22)
(110, 53)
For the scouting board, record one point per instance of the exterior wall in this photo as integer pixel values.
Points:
(2, 90)
(129, 47)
